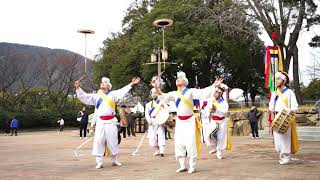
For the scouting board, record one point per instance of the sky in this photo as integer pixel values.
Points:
(54, 24)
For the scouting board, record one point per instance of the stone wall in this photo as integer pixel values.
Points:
(241, 127)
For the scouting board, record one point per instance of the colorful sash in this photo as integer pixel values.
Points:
(107, 99)
(154, 106)
(216, 103)
(280, 93)
(183, 99)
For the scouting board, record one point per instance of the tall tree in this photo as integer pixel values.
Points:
(198, 49)
(284, 17)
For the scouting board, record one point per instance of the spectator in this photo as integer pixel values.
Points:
(61, 122)
(83, 122)
(7, 128)
(131, 123)
(123, 120)
(14, 126)
(253, 115)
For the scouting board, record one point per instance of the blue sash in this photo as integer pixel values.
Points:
(179, 100)
(100, 100)
(277, 97)
(153, 108)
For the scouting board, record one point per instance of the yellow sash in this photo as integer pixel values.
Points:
(198, 132)
(216, 103)
(228, 135)
(184, 100)
(156, 106)
(197, 119)
(294, 135)
(108, 100)
(106, 152)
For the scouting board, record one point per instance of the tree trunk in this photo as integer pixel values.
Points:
(296, 81)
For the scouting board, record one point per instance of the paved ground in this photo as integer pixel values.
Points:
(48, 155)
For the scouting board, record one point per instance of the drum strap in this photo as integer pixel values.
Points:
(283, 99)
(107, 99)
(154, 106)
(216, 103)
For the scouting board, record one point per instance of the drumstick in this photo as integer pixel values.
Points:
(75, 152)
(134, 153)
(82, 78)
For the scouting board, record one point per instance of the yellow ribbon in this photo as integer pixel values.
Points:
(228, 135)
(198, 132)
(106, 152)
(108, 100)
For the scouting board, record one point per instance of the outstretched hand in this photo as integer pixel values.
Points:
(154, 83)
(77, 84)
(218, 82)
(135, 80)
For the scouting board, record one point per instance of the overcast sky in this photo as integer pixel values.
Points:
(54, 24)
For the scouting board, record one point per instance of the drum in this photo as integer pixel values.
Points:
(170, 123)
(162, 116)
(281, 122)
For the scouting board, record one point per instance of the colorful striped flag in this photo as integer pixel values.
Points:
(272, 64)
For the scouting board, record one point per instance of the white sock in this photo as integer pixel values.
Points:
(192, 163)
(99, 159)
(113, 158)
(182, 162)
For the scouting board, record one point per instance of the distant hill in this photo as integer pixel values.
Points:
(25, 66)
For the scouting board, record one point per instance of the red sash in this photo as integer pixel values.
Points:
(184, 117)
(106, 117)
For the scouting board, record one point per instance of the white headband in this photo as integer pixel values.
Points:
(153, 90)
(182, 75)
(280, 75)
(107, 80)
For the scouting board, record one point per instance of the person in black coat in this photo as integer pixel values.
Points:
(253, 115)
(7, 128)
(83, 122)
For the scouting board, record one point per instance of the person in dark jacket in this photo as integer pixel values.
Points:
(131, 123)
(14, 126)
(253, 115)
(7, 128)
(84, 122)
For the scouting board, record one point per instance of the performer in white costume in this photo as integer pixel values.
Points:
(106, 132)
(205, 115)
(283, 98)
(217, 129)
(156, 133)
(185, 139)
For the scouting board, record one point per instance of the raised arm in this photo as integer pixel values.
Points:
(86, 98)
(120, 93)
(271, 102)
(206, 92)
(89, 99)
(146, 113)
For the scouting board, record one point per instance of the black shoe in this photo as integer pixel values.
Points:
(161, 155)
